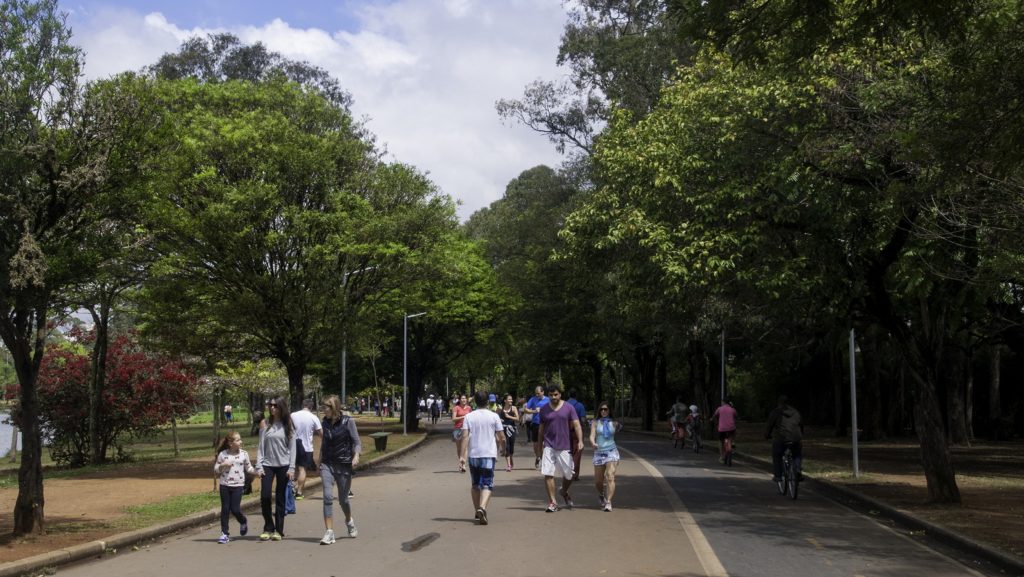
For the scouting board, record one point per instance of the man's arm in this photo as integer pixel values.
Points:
(579, 434)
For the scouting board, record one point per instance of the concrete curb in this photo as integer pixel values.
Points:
(37, 564)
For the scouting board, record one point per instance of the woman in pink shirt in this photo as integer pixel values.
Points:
(459, 413)
(726, 416)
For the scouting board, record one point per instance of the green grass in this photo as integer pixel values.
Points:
(183, 505)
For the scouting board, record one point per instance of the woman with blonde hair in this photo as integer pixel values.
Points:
(276, 462)
(339, 455)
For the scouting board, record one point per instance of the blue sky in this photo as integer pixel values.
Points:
(424, 73)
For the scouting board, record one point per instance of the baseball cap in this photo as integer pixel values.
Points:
(491, 398)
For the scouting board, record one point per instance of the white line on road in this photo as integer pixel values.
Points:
(712, 566)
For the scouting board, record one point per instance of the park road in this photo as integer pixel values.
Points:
(676, 514)
(415, 516)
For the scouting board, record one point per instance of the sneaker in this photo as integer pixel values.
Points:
(536, 463)
(508, 469)
(243, 529)
(721, 460)
(328, 537)
(568, 500)
(224, 538)
(607, 506)
(352, 531)
(481, 514)
(275, 536)
(351, 494)
(264, 536)
(601, 499)
(299, 497)
(477, 515)
(552, 507)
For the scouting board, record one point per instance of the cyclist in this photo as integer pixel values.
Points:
(692, 424)
(677, 414)
(726, 417)
(785, 427)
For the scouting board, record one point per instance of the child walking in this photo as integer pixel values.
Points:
(232, 465)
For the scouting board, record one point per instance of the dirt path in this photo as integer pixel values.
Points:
(90, 507)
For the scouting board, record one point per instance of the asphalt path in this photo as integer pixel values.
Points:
(755, 532)
(676, 514)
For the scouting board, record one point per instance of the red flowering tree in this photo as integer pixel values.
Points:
(143, 392)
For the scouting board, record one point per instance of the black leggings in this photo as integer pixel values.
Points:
(230, 504)
(273, 522)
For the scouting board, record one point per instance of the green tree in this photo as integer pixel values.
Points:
(63, 171)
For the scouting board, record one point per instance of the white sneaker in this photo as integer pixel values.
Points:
(328, 537)
(352, 531)
(608, 506)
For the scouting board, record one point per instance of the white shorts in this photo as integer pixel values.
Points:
(551, 460)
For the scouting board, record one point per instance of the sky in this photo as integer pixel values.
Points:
(424, 74)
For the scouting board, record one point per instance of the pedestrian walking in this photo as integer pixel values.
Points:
(577, 447)
(231, 467)
(606, 454)
(557, 419)
(306, 426)
(510, 421)
(339, 455)
(275, 467)
(459, 412)
(532, 408)
(482, 434)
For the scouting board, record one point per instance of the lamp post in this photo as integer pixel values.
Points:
(405, 369)
(344, 330)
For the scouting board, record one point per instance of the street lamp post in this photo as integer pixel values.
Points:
(405, 370)
(344, 331)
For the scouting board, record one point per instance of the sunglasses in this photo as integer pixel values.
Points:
(604, 409)
(271, 404)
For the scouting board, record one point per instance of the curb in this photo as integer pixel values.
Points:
(34, 565)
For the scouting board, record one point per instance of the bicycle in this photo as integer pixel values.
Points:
(693, 430)
(727, 450)
(789, 482)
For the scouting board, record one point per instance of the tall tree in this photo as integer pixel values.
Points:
(60, 169)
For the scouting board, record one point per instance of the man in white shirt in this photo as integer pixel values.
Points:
(482, 434)
(306, 425)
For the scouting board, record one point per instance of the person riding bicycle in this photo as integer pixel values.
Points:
(692, 420)
(677, 415)
(725, 415)
(785, 427)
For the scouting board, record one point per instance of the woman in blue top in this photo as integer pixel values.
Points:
(606, 454)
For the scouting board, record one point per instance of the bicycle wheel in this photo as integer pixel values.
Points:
(782, 480)
(791, 480)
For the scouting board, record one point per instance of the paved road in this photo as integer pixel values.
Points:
(676, 514)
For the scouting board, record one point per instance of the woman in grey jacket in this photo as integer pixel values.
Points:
(276, 461)
(339, 454)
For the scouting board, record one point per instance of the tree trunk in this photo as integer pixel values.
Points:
(994, 406)
(27, 355)
(174, 437)
(870, 417)
(935, 457)
(596, 366)
(646, 361)
(835, 373)
(296, 388)
(969, 401)
(955, 375)
(97, 381)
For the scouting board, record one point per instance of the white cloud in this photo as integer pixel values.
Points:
(426, 73)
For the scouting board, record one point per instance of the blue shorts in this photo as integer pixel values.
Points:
(481, 473)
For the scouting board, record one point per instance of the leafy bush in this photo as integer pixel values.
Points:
(143, 391)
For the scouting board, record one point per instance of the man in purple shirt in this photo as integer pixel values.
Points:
(557, 419)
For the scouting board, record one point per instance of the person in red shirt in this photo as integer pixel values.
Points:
(726, 417)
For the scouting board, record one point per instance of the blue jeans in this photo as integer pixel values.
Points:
(230, 504)
(340, 475)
